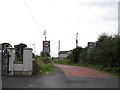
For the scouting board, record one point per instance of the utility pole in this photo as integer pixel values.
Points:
(58, 48)
(34, 48)
(76, 39)
(45, 38)
(45, 56)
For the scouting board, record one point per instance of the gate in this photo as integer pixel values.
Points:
(4, 61)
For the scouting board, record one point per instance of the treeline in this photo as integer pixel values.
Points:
(105, 53)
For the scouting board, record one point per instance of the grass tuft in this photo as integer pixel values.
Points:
(43, 67)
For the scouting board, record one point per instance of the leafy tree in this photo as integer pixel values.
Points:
(6, 45)
(83, 56)
(75, 55)
(33, 55)
(105, 54)
(43, 54)
(19, 51)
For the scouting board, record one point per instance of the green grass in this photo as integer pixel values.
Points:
(46, 68)
(43, 67)
(64, 61)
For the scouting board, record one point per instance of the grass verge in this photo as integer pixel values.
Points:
(42, 66)
(97, 67)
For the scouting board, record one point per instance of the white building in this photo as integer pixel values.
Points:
(64, 54)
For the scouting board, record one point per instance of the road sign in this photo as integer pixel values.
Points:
(46, 46)
(91, 45)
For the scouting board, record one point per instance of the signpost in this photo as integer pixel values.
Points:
(90, 47)
(46, 47)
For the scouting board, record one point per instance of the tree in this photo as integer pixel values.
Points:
(5, 45)
(43, 54)
(106, 52)
(19, 51)
(75, 55)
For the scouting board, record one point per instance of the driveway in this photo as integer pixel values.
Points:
(83, 77)
(56, 79)
(64, 77)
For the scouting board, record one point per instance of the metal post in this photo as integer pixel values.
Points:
(45, 38)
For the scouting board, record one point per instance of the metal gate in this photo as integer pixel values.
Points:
(4, 61)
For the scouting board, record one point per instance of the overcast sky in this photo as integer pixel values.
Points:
(24, 21)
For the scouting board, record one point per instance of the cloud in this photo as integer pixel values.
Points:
(61, 18)
(103, 4)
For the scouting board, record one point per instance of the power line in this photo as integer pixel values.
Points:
(32, 15)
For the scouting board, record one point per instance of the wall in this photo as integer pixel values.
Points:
(21, 69)
(27, 61)
(11, 59)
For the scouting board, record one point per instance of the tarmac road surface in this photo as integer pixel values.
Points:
(64, 77)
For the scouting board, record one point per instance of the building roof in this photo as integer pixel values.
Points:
(63, 52)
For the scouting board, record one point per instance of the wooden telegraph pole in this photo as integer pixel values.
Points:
(58, 48)
(76, 39)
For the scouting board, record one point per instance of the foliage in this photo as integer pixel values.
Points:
(83, 56)
(33, 55)
(6, 45)
(40, 66)
(65, 61)
(75, 55)
(19, 52)
(104, 56)
(44, 53)
(106, 53)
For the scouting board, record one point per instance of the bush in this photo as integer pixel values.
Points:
(104, 56)
(41, 66)
(65, 61)
(75, 55)
(106, 53)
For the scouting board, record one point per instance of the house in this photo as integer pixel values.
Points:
(64, 54)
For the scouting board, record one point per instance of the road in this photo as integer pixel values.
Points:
(64, 77)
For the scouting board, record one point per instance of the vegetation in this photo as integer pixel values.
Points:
(5, 45)
(19, 52)
(104, 56)
(42, 66)
(65, 61)
(75, 56)
(44, 53)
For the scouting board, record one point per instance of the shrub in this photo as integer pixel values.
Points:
(41, 66)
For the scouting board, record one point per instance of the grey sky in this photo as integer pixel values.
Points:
(60, 18)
